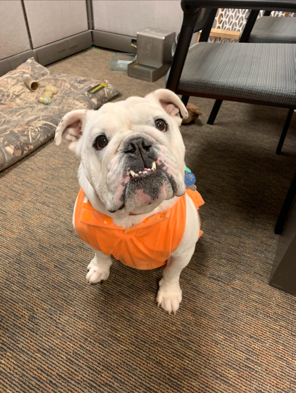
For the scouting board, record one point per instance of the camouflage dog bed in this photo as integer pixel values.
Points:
(25, 123)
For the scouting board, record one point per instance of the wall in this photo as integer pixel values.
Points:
(129, 17)
(13, 32)
(54, 20)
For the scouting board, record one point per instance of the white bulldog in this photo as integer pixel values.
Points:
(132, 176)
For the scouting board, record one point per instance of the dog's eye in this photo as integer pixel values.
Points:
(160, 125)
(100, 142)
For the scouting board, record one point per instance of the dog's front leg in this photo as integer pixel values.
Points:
(99, 268)
(169, 295)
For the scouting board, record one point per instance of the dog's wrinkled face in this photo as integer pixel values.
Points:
(131, 151)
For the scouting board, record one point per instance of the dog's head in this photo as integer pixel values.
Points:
(131, 151)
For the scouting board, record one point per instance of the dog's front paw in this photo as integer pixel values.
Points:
(97, 273)
(169, 296)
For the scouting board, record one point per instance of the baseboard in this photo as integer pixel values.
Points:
(63, 48)
(117, 42)
(10, 63)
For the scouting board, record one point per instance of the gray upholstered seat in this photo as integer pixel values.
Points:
(244, 72)
(273, 30)
(258, 73)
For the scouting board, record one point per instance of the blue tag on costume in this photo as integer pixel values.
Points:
(189, 178)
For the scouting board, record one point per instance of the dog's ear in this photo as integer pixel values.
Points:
(71, 127)
(170, 102)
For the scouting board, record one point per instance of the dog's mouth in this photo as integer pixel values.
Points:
(149, 186)
(141, 181)
(138, 183)
(144, 173)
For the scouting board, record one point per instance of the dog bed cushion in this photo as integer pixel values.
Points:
(25, 123)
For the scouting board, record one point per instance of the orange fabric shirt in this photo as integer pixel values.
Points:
(144, 246)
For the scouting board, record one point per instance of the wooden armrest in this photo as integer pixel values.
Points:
(227, 34)
(219, 33)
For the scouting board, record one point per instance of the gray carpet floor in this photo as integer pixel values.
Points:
(233, 332)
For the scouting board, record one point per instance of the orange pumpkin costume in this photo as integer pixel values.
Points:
(144, 246)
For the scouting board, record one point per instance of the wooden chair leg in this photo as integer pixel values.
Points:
(286, 207)
(284, 132)
(214, 112)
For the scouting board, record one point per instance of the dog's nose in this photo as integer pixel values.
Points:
(141, 153)
(137, 146)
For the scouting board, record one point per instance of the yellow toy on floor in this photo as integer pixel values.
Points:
(46, 96)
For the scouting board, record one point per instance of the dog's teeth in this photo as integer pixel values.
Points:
(149, 169)
(132, 173)
(154, 166)
(140, 173)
